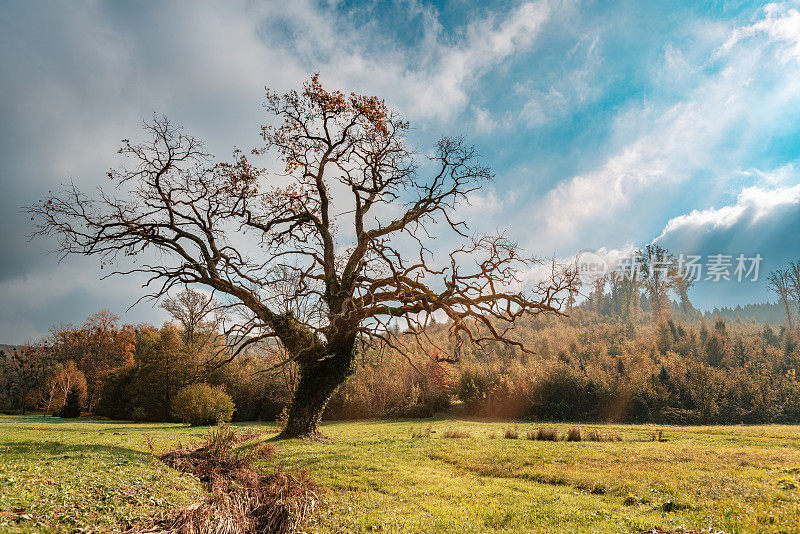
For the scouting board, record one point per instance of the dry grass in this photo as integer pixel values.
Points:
(242, 500)
(593, 435)
(456, 433)
(511, 433)
(547, 434)
(658, 435)
(421, 432)
(574, 434)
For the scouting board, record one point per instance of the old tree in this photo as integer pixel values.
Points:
(323, 255)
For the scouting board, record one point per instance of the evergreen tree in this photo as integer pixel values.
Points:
(73, 405)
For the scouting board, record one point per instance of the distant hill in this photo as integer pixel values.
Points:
(769, 312)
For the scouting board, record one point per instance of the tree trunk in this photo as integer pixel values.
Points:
(788, 310)
(318, 381)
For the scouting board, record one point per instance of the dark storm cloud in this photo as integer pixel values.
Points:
(76, 79)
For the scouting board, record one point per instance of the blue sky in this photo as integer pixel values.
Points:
(608, 124)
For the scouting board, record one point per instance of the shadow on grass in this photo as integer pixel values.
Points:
(54, 448)
(91, 420)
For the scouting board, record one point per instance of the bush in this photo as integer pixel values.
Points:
(72, 405)
(390, 390)
(201, 404)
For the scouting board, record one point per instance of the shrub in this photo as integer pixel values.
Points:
(72, 405)
(200, 404)
(389, 390)
(283, 419)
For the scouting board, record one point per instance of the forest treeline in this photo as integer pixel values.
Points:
(615, 358)
(586, 367)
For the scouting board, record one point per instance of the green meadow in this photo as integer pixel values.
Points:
(406, 476)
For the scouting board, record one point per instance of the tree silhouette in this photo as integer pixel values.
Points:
(327, 253)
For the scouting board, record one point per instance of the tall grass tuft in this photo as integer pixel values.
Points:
(511, 433)
(456, 433)
(574, 434)
(421, 432)
(594, 435)
(220, 440)
(547, 434)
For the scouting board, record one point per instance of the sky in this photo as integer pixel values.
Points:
(608, 125)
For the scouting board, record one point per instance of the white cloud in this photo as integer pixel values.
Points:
(777, 176)
(433, 80)
(484, 122)
(781, 23)
(753, 204)
(576, 86)
(662, 146)
(542, 107)
(763, 221)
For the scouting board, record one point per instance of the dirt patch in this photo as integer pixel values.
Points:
(243, 499)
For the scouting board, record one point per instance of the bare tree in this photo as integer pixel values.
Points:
(793, 282)
(197, 313)
(658, 275)
(344, 228)
(780, 281)
(25, 368)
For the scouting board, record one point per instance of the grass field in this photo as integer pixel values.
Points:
(58, 475)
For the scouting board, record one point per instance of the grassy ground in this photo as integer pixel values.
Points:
(92, 474)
